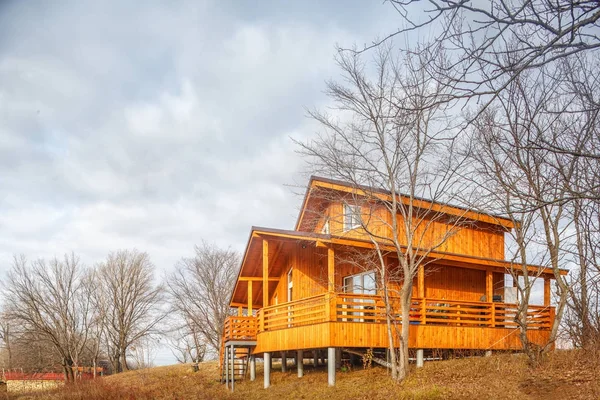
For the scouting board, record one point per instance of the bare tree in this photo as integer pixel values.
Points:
(6, 335)
(506, 37)
(531, 184)
(50, 301)
(131, 302)
(143, 352)
(391, 133)
(200, 288)
(494, 42)
(98, 325)
(187, 345)
(582, 320)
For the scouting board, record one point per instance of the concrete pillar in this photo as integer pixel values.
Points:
(226, 366)
(488, 353)
(420, 357)
(267, 370)
(252, 368)
(331, 366)
(283, 361)
(300, 363)
(316, 358)
(232, 357)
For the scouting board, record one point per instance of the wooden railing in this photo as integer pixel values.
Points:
(347, 307)
(308, 311)
(240, 328)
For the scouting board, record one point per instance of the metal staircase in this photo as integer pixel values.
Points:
(239, 369)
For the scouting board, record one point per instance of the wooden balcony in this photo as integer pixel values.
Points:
(239, 329)
(353, 320)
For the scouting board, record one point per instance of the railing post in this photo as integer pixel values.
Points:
(423, 311)
(328, 315)
(333, 307)
(493, 320)
(261, 319)
(458, 314)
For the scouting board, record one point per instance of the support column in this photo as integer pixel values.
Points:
(265, 273)
(252, 368)
(546, 291)
(316, 358)
(421, 281)
(488, 353)
(267, 370)
(300, 363)
(330, 270)
(420, 358)
(249, 313)
(226, 366)
(232, 357)
(489, 286)
(331, 366)
(283, 361)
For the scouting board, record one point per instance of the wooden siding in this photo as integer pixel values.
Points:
(356, 334)
(441, 282)
(454, 283)
(309, 276)
(478, 239)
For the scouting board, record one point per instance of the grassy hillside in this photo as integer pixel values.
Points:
(566, 375)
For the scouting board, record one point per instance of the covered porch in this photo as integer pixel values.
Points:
(291, 295)
(352, 320)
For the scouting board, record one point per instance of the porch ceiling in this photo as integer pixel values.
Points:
(281, 248)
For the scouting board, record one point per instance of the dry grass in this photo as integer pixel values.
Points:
(566, 374)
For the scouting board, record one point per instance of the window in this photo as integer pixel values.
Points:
(351, 217)
(290, 289)
(290, 284)
(361, 306)
(360, 283)
(325, 229)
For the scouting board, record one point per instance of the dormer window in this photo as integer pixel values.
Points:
(351, 217)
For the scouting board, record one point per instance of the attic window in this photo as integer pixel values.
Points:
(351, 217)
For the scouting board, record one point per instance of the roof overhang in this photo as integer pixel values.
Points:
(316, 183)
(281, 242)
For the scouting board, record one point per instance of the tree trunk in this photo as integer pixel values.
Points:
(406, 298)
(67, 365)
(124, 367)
(115, 360)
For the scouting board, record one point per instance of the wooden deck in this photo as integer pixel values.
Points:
(352, 320)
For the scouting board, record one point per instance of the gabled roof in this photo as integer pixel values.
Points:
(317, 182)
(251, 266)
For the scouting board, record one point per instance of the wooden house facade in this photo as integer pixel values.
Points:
(302, 293)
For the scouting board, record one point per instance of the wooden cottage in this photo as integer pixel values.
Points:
(297, 295)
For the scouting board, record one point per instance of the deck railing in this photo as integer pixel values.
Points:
(347, 307)
(240, 328)
(308, 311)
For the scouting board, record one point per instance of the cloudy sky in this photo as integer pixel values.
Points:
(155, 125)
(159, 125)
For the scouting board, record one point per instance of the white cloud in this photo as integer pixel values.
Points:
(158, 125)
